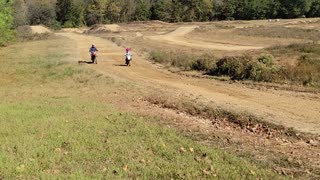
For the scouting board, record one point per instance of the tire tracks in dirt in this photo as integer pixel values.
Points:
(279, 107)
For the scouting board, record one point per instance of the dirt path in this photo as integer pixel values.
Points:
(292, 109)
(177, 37)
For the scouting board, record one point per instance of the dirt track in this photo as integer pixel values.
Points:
(177, 37)
(292, 109)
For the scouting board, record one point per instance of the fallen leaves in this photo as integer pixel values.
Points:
(209, 171)
(182, 150)
(20, 168)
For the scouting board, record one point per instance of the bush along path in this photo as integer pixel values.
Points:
(246, 67)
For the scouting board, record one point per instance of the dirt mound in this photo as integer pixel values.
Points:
(138, 34)
(183, 30)
(99, 28)
(74, 30)
(33, 29)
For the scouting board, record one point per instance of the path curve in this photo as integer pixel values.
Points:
(177, 37)
(291, 109)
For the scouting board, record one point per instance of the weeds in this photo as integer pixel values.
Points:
(307, 69)
(242, 120)
(280, 32)
(261, 69)
(160, 56)
(184, 61)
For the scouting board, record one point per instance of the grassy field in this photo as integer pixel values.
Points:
(54, 126)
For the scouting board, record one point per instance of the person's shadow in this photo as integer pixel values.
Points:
(119, 65)
(85, 62)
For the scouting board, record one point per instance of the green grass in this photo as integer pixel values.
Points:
(54, 126)
(60, 138)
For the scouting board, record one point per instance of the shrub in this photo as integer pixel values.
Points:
(160, 56)
(263, 68)
(308, 70)
(309, 60)
(68, 24)
(55, 25)
(258, 71)
(205, 62)
(183, 61)
(232, 66)
(245, 67)
(266, 59)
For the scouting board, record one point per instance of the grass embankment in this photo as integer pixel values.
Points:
(54, 126)
(261, 68)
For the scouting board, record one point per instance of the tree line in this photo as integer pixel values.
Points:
(75, 13)
(6, 22)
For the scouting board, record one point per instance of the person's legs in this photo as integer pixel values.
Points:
(92, 58)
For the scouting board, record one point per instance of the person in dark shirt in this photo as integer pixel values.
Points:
(93, 51)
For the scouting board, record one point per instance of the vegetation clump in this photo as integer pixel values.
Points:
(245, 67)
(6, 22)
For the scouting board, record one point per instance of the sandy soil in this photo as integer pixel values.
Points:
(291, 109)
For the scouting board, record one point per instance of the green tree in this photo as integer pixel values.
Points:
(227, 9)
(315, 9)
(6, 22)
(42, 12)
(177, 11)
(21, 13)
(161, 10)
(63, 7)
(273, 7)
(197, 10)
(142, 10)
(294, 9)
(74, 15)
(114, 11)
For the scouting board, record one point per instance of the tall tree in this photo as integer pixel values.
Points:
(294, 9)
(41, 11)
(142, 10)
(6, 22)
(76, 16)
(161, 10)
(21, 13)
(315, 9)
(63, 7)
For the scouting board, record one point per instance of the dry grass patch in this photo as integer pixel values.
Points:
(280, 32)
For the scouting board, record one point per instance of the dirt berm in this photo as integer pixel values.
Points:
(114, 28)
